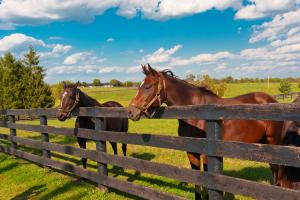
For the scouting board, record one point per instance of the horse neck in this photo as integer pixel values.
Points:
(86, 101)
(182, 93)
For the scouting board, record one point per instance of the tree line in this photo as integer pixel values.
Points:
(114, 82)
(22, 83)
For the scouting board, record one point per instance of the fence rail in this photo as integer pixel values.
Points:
(212, 146)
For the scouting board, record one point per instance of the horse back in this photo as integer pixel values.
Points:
(251, 98)
(111, 104)
(115, 124)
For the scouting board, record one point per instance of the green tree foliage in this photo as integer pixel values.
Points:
(190, 78)
(284, 87)
(216, 86)
(115, 83)
(128, 83)
(96, 82)
(84, 84)
(207, 81)
(22, 82)
(59, 88)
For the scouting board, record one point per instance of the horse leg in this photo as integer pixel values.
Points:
(194, 159)
(274, 169)
(114, 146)
(82, 144)
(274, 136)
(124, 149)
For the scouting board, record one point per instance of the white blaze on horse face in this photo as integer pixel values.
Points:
(63, 96)
(140, 87)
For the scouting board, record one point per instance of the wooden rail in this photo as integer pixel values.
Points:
(215, 148)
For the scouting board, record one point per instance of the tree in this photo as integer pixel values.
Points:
(208, 82)
(84, 84)
(115, 83)
(13, 82)
(96, 82)
(190, 78)
(38, 93)
(22, 82)
(128, 83)
(284, 87)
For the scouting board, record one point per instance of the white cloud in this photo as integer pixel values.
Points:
(161, 55)
(72, 69)
(57, 50)
(37, 12)
(110, 39)
(83, 58)
(262, 8)
(170, 8)
(282, 25)
(18, 40)
(202, 58)
(128, 70)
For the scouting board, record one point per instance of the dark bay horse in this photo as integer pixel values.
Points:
(290, 176)
(73, 98)
(160, 87)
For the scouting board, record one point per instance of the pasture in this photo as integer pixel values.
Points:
(22, 180)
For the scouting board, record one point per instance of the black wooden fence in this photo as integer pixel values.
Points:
(212, 146)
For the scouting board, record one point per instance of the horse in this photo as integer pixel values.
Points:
(73, 98)
(290, 176)
(160, 87)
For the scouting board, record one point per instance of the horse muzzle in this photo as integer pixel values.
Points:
(61, 116)
(134, 113)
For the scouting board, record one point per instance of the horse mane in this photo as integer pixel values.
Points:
(92, 100)
(204, 89)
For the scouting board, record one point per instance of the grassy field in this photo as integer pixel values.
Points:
(23, 180)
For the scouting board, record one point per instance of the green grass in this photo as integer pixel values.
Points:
(24, 180)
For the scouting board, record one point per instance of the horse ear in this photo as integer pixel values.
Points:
(145, 70)
(151, 70)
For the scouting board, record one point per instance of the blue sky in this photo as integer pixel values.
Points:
(82, 40)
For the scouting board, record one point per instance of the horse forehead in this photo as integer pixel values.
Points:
(143, 82)
(64, 94)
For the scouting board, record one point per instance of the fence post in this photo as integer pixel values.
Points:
(215, 164)
(101, 147)
(45, 137)
(13, 132)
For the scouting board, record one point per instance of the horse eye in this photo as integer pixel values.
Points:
(147, 87)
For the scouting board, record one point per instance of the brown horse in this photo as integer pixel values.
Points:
(73, 98)
(290, 176)
(162, 87)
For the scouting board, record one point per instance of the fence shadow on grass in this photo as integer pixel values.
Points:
(251, 173)
(63, 189)
(31, 192)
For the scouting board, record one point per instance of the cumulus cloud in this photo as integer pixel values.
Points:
(281, 26)
(170, 8)
(18, 40)
(57, 50)
(202, 58)
(86, 10)
(257, 8)
(161, 55)
(83, 58)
